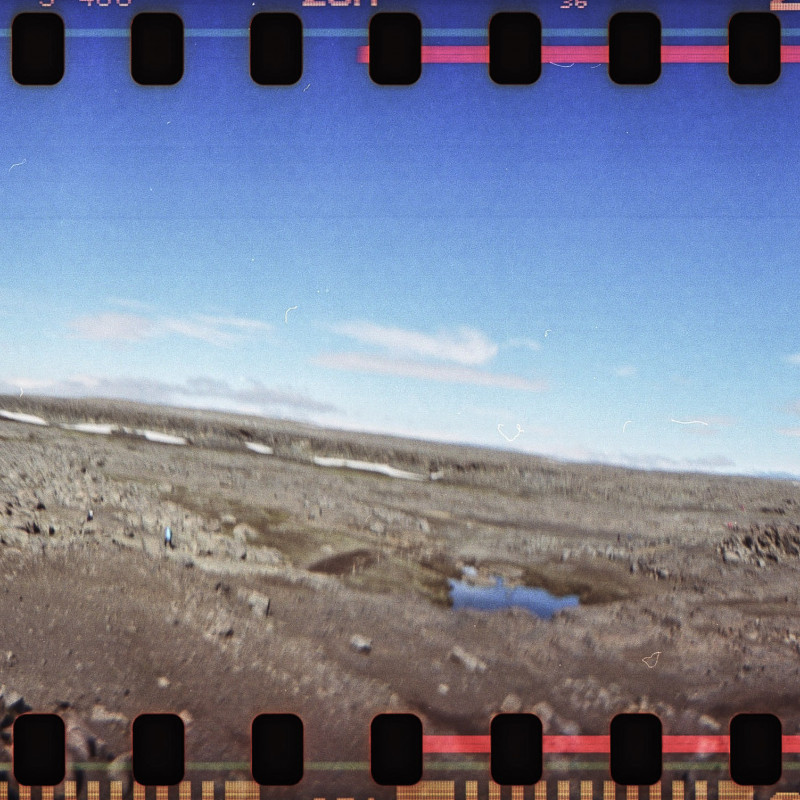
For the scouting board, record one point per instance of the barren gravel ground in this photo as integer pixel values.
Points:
(703, 570)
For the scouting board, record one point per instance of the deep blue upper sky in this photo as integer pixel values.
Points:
(589, 267)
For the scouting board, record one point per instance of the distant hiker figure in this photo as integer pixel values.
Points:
(90, 515)
(168, 538)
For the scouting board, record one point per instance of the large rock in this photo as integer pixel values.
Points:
(258, 603)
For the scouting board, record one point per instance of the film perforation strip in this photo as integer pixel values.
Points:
(395, 53)
(516, 746)
(425, 790)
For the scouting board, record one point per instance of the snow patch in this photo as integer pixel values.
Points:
(161, 438)
(101, 428)
(259, 448)
(29, 419)
(367, 466)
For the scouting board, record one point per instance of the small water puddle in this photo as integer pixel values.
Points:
(493, 598)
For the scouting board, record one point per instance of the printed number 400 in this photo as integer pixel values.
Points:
(574, 4)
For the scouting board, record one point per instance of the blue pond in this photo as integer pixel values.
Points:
(492, 598)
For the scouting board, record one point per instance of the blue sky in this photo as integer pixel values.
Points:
(594, 272)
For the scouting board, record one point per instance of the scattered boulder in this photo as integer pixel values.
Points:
(102, 715)
(265, 555)
(82, 743)
(186, 718)
(12, 702)
(511, 705)
(470, 662)
(569, 728)
(259, 603)
(546, 714)
(383, 519)
(121, 769)
(762, 543)
(361, 644)
(709, 723)
(244, 533)
(235, 548)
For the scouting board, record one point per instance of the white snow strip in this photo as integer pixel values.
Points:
(367, 466)
(259, 448)
(161, 438)
(101, 428)
(15, 416)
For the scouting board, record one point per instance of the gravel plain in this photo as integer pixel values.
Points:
(322, 590)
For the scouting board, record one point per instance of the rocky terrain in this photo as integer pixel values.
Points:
(323, 590)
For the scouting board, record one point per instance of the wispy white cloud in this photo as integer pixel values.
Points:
(528, 344)
(241, 323)
(789, 431)
(130, 305)
(466, 346)
(251, 397)
(116, 327)
(112, 327)
(447, 373)
(625, 371)
(794, 358)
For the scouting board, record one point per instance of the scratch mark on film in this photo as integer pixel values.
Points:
(503, 434)
(688, 422)
(18, 164)
(652, 660)
(286, 315)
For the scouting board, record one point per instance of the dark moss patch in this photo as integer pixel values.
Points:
(345, 563)
(592, 586)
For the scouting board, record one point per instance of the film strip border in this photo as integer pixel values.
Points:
(635, 748)
(425, 790)
(515, 46)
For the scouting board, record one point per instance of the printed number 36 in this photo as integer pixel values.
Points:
(574, 3)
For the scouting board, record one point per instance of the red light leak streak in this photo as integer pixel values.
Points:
(693, 745)
(583, 54)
